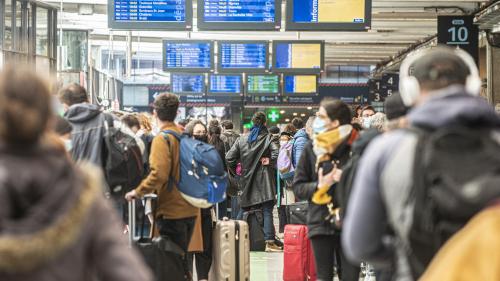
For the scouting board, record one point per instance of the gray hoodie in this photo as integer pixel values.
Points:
(371, 208)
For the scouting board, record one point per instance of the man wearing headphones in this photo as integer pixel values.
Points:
(443, 91)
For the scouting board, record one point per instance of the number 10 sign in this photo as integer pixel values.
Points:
(459, 31)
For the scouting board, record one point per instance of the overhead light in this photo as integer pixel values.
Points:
(303, 115)
(282, 112)
(287, 120)
(295, 114)
(310, 108)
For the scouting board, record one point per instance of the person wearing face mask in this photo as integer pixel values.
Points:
(316, 176)
(366, 113)
(203, 260)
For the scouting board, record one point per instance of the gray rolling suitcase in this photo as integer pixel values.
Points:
(231, 251)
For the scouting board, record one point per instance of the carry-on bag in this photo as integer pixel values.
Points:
(299, 262)
(297, 213)
(231, 251)
(255, 221)
(161, 254)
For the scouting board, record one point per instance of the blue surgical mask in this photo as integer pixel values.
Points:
(319, 126)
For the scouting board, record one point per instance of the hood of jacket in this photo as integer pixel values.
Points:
(454, 107)
(83, 112)
(43, 203)
(231, 134)
(301, 134)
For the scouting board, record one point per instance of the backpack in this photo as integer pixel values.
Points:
(456, 174)
(285, 161)
(123, 168)
(203, 180)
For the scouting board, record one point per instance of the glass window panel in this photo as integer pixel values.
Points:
(135, 96)
(7, 39)
(348, 74)
(74, 50)
(18, 36)
(364, 73)
(332, 73)
(42, 31)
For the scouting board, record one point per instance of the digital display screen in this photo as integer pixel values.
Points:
(263, 84)
(243, 55)
(150, 10)
(301, 84)
(187, 55)
(298, 56)
(329, 11)
(187, 83)
(261, 11)
(225, 84)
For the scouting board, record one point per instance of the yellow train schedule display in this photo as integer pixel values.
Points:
(340, 10)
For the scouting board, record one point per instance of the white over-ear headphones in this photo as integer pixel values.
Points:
(409, 87)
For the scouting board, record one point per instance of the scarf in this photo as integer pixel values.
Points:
(254, 133)
(324, 146)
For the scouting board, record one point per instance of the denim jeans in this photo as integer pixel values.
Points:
(236, 211)
(267, 211)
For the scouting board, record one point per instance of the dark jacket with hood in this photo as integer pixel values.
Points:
(258, 181)
(55, 223)
(88, 132)
(382, 187)
(305, 184)
(229, 137)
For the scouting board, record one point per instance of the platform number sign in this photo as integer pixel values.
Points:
(459, 32)
(375, 87)
(390, 84)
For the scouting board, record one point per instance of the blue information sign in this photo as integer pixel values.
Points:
(188, 55)
(187, 83)
(243, 55)
(225, 84)
(239, 11)
(150, 10)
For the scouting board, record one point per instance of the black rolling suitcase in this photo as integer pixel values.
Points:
(163, 256)
(255, 221)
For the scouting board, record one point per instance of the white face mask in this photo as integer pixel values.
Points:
(68, 144)
(367, 122)
(282, 143)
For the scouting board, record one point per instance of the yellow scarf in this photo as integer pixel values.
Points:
(324, 146)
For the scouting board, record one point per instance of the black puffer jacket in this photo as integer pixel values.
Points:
(259, 182)
(306, 183)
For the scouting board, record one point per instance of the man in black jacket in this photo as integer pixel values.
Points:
(258, 151)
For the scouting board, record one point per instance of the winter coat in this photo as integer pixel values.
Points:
(55, 223)
(300, 140)
(258, 181)
(305, 184)
(229, 137)
(87, 137)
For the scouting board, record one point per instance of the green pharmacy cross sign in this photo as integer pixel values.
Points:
(273, 116)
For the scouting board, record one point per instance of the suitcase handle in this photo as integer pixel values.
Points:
(132, 217)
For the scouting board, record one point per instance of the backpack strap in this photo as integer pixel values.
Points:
(171, 178)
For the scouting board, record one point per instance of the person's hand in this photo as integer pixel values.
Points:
(265, 161)
(131, 195)
(330, 178)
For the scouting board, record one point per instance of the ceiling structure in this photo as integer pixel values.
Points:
(396, 25)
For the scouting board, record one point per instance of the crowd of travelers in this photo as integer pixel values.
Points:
(407, 194)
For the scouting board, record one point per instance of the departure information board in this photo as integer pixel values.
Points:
(155, 14)
(243, 56)
(263, 84)
(187, 83)
(239, 14)
(328, 14)
(188, 55)
(299, 56)
(301, 84)
(225, 84)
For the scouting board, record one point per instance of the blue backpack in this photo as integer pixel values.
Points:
(203, 180)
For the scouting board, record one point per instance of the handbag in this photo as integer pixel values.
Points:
(297, 213)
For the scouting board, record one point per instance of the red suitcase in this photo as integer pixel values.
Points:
(298, 255)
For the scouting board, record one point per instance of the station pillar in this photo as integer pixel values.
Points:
(493, 63)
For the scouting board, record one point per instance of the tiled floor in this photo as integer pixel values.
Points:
(266, 266)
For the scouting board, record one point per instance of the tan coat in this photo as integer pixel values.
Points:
(171, 205)
(472, 254)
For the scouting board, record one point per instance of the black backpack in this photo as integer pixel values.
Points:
(123, 166)
(456, 174)
(255, 221)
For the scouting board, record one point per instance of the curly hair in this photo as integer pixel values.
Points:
(166, 106)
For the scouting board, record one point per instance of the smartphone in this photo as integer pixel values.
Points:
(327, 167)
